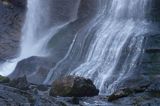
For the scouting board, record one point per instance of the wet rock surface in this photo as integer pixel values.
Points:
(150, 59)
(127, 92)
(142, 88)
(147, 94)
(34, 68)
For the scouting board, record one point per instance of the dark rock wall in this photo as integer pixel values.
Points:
(154, 13)
(149, 65)
(150, 58)
(12, 14)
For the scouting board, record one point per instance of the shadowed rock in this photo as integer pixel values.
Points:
(20, 83)
(73, 86)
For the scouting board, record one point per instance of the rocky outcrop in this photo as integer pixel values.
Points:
(14, 97)
(34, 68)
(126, 92)
(147, 73)
(11, 96)
(20, 83)
(37, 95)
(138, 95)
(73, 86)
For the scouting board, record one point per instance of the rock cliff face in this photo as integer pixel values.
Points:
(12, 14)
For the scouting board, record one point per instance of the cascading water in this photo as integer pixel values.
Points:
(117, 22)
(126, 20)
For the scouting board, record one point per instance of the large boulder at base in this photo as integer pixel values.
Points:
(73, 86)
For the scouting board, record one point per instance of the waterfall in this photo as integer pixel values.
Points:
(116, 23)
(126, 20)
(31, 45)
(104, 47)
(36, 32)
(34, 38)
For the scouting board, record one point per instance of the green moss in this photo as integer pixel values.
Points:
(4, 79)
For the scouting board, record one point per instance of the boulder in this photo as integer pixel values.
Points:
(73, 86)
(4, 79)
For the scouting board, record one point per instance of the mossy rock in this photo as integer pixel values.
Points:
(4, 79)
